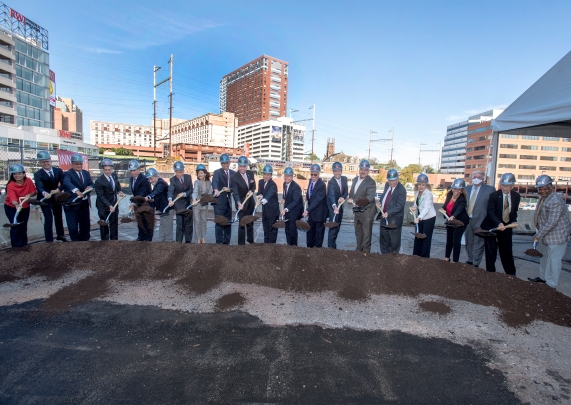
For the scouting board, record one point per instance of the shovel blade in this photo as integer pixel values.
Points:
(331, 225)
(302, 225)
(533, 253)
(102, 223)
(248, 219)
(279, 224)
(419, 235)
(221, 220)
(126, 220)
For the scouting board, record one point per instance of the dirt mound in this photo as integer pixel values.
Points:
(229, 301)
(200, 268)
(437, 307)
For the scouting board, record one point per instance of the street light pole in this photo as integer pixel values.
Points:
(312, 131)
(392, 145)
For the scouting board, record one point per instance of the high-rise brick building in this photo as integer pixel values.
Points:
(256, 91)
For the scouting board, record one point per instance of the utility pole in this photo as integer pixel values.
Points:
(312, 131)
(419, 150)
(155, 70)
(170, 108)
(439, 154)
(168, 79)
(291, 111)
(392, 146)
(371, 132)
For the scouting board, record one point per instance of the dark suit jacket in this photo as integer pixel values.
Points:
(269, 193)
(317, 203)
(142, 186)
(293, 201)
(366, 189)
(44, 182)
(219, 179)
(160, 195)
(333, 193)
(106, 196)
(175, 188)
(71, 181)
(496, 209)
(459, 208)
(395, 206)
(240, 189)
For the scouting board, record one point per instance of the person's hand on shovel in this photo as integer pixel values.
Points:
(282, 202)
(240, 206)
(305, 213)
(46, 195)
(121, 194)
(216, 193)
(249, 194)
(416, 220)
(413, 209)
(283, 212)
(336, 210)
(501, 227)
(350, 200)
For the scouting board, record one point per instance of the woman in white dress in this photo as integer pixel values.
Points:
(423, 206)
(202, 186)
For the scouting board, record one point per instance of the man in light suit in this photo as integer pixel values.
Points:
(75, 181)
(268, 199)
(477, 208)
(337, 192)
(316, 208)
(140, 186)
(243, 185)
(107, 187)
(49, 178)
(363, 186)
(220, 179)
(181, 185)
(502, 210)
(392, 203)
(292, 202)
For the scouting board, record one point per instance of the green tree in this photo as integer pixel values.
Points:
(407, 173)
(428, 169)
(390, 164)
(312, 157)
(101, 151)
(123, 152)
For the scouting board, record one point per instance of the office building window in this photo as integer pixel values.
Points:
(529, 147)
(550, 168)
(526, 176)
(510, 136)
(508, 146)
(551, 138)
(506, 166)
(528, 157)
(550, 158)
(503, 156)
(527, 167)
(565, 169)
(530, 137)
(550, 148)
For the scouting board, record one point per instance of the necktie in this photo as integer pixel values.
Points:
(471, 203)
(310, 189)
(245, 177)
(81, 177)
(112, 183)
(537, 212)
(389, 194)
(134, 180)
(227, 179)
(285, 192)
(51, 174)
(506, 216)
(340, 187)
(182, 182)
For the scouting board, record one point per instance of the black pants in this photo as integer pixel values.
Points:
(18, 234)
(333, 232)
(270, 233)
(52, 213)
(145, 234)
(291, 232)
(184, 228)
(110, 232)
(315, 234)
(503, 240)
(223, 208)
(422, 246)
(390, 239)
(249, 231)
(78, 223)
(453, 242)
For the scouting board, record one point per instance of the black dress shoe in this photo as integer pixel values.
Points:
(536, 280)
(62, 238)
(470, 263)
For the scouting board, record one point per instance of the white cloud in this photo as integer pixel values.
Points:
(100, 50)
(467, 113)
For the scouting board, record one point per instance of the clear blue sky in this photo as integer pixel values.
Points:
(417, 66)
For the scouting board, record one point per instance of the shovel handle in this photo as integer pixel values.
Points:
(514, 225)
(51, 193)
(173, 201)
(443, 212)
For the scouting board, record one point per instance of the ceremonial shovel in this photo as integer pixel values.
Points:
(175, 200)
(41, 202)
(332, 223)
(206, 198)
(106, 222)
(87, 190)
(417, 235)
(386, 225)
(22, 201)
(454, 223)
(302, 224)
(533, 252)
(280, 223)
(127, 219)
(483, 233)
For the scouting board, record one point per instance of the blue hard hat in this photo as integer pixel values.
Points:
(507, 179)
(337, 166)
(106, 162)
(392, 174)
(422, 178)
(224, 158)
(267, 169)
(76, 158)
(242, 161)
(43, 155)
(16, 168)
(459, 183)
(178, 165)
(543, 180)
(315, 168)
(288, 171)
(201, 167)
(364, 164)
(151, 172)
(133, 165)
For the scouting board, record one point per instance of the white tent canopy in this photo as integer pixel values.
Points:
(543, 109)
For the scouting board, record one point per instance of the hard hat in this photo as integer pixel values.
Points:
(267, 169)
(224, 158)
(16, 168)
(422, 178)
(242, 161)
(459, 183)
(43, 155)
(315, 168)
(133, 165)
(543, 180)
(201, 167)
(288, 171)
(507, 179)
(178, 165)
(364, 164)
(76, 158)
(151, 172)
(392, 174)
(337, 166)
(106, 162)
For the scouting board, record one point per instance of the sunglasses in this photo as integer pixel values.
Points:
(314, 174)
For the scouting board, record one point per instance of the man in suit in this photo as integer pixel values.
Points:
(181, 185)
(268, 199)
(161, 201)
(292, 202)
(220, 179)
(75, 181)
(316, 208)
(243, 185)
(49, 178)
(392, 203)
(337, 192)
(363, 186)
(502, 210)
(107, 187)
(140, 186)
(553, 231)
(477, 208)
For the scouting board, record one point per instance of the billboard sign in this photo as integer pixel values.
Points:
(52, 89)
(276, 134)
(247, 149)
(18, 24)
(64, 159)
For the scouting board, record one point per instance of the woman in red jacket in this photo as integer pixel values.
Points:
(18, 186)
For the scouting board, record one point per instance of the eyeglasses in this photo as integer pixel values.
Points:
(314, 174)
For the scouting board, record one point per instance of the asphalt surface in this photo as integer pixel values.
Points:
(101, 353)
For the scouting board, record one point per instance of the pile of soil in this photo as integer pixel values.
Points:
(352, 275)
